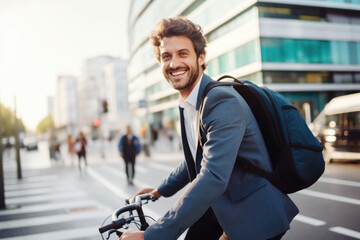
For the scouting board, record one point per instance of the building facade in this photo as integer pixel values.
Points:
(116, 91)
(103, 79)
(65, 109)
(308, 50)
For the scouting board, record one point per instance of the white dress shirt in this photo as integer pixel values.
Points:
(190, 118)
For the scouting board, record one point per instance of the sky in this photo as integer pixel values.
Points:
(42, 39)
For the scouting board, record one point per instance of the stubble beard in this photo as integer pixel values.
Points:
(194, 74)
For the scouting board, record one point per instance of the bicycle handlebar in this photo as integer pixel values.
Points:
(116, 224)
(134, 203)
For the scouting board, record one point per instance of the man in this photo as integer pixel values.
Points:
(222, 200)
(129, 147)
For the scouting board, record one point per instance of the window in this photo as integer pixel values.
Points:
(309, 51)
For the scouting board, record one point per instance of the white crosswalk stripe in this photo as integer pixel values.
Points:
(59, 218)
(52, 196)
(46, 200)
(71, 203)
(60, 235)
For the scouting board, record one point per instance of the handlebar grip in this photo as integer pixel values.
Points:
(114, 225)
(145, 196)
(106, 228)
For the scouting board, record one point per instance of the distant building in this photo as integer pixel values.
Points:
(103, 79)
(308, 50)
(50, 105)
(116, 91)
(65, 111)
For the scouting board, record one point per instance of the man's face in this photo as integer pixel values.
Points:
(179, 63)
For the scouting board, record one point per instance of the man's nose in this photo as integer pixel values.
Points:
(174, 62)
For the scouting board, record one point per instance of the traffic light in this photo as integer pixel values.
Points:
(96, 123)
(105, 106)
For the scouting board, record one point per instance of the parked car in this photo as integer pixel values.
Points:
(8, 142)
(338, 128)
(30, 143)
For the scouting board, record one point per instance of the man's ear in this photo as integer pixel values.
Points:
(201, 59)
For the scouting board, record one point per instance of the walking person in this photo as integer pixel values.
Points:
(80, 148)
(129, 147)
(222, 201)
(71, 151)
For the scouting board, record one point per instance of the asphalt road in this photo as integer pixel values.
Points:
(55, 200)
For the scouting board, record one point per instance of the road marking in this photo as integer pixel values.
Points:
(346, 232)
(309, 220)
(161, 167)
(61, 235)
(116, 190)
(30, 185)
(51, 206)
(57, 218)
(123, 176)
(109, 185)
(339, 181)
(37, 191)
(330, 196)
(140, 169)
(42, 178)
(54, 196)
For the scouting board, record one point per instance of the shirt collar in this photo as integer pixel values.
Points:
(192, 98)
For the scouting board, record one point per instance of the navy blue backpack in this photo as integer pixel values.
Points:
(295, 153)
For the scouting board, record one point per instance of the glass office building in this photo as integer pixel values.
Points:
(309, 50)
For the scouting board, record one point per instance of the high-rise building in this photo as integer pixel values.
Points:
(116, 91)
(103, 82)
(65, 110)
(309, 50)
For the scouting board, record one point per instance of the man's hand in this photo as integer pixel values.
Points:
(152, 191)
(132, 235)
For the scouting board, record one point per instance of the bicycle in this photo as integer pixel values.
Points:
(131, 205)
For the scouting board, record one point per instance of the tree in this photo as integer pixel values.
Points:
(7, 122)
(46, 124)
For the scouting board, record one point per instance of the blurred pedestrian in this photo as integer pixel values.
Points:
(129, 147)
(71, 151)
(144, 141)
(54, 147)
(80, 148)
(154, 135)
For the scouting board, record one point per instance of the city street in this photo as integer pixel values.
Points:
(55, 200)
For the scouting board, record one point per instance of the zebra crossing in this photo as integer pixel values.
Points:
(49, 207)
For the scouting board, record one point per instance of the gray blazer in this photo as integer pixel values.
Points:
(247, 206)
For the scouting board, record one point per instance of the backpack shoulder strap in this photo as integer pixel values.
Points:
(208, 87)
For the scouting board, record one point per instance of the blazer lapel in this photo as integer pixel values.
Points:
(188, 156)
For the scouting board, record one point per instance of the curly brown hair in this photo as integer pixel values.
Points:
(178, 26)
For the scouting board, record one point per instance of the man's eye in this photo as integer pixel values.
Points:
(165, 56)
(182, 54)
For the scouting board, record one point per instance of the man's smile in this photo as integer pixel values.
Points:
(177, 73)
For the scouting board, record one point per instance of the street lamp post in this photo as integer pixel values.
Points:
(2, 189)
(17, 144)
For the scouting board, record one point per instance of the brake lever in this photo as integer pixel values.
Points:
(114, 231)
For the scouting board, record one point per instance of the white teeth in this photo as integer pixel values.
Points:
(177, 73)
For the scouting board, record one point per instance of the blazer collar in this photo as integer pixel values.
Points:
(204, 82)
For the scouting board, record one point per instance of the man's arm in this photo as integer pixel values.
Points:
(137, 145)
(120, 145)
(175, 181)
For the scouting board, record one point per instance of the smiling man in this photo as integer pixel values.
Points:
(222, 201)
